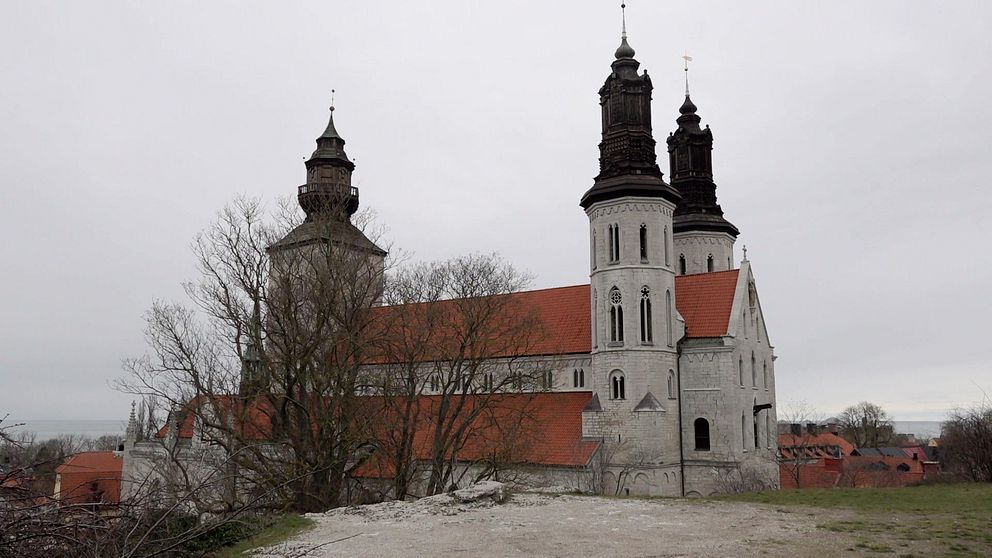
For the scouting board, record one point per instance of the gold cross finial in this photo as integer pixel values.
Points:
(332, 100)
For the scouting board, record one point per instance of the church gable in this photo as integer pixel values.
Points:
(748, 319)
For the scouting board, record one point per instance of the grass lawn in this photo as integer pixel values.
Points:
(281, 529)
(932, 520)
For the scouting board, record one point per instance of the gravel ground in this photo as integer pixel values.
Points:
(566, 525)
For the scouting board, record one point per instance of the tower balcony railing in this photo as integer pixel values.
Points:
(328, 188)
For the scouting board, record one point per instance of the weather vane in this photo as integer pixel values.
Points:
(687, 59)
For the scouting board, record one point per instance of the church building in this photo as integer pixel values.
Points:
(665, 371)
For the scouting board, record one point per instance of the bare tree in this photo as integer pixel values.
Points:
(798, 448)
(966, 442)
(866, 425)
(265, 364)
(456, 332)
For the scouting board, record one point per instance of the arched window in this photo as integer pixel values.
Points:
(435, 383)
(646, 334)
(744, 322)
(578, 378)
(575, 377)
(740, 369)
(671, 384)
(754, 372)
(616, 316)
(582, 377)
(594, 248)
(617, 388)
(644, 242)
(757, 437)
(757, 328)
(595, 318)
(701, 428)
(764, 374)
(614, 242)
(669, 317)
(755, 422)
(744, 431)
(666, 246)
(709, 263)
(681, 264)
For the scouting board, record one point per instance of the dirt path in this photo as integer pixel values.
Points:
(548, 525)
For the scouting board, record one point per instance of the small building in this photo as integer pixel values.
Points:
(90, 477)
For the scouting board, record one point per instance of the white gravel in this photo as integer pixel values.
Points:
(564, 525)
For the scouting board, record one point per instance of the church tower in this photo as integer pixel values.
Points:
(328, 242)
(329, 201)
(635, 329)
(704, 239)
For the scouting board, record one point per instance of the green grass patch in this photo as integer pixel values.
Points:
(278, 530)
(949, 519)
(935, 498)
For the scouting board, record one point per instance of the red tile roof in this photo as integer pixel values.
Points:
(90, 477)
(787, 442)
(705, 301)
(549, 428)
(547, 431)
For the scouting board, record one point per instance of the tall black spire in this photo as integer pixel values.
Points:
(691, 167)
(328, 189)
(628, 164)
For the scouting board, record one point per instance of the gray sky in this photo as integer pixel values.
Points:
(851, 149)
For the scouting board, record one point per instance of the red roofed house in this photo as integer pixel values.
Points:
(90, 477)
(664, 364)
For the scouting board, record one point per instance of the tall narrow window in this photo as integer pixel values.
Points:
(617, 388)
(669, 319)
(616, 316)
(595, 318)
(646, 334)
(709, 263)
(575, 377)
(671, 384)
(764, 374)
(754, 372)
(744, 431)
(701, 429)
(594, 248)
(644, 242)
(614, 242)
(757, 438)
(740, 369)
(666, 246)
(681, 264)
(582, 377)
(770, 434)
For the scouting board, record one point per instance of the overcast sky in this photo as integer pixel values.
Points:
(851, 149)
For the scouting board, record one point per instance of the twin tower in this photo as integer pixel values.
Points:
(643, 234)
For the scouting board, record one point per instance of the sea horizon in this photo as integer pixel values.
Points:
(46, 429)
